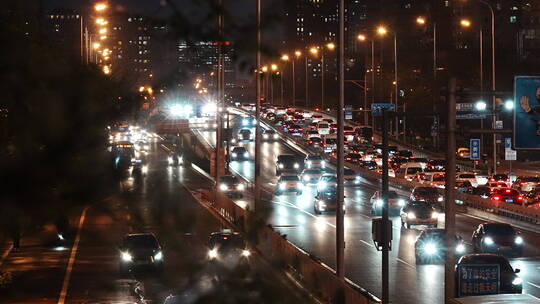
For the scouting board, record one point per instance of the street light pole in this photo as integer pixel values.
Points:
(257, 193)
(281, 86)
(396, 86)
(307, 82)
(293, 83)
(340, 230)
(322, 79)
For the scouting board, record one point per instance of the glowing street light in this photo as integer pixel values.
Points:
(381, 30)
(285, 57)
(421, 20)
(106, 70)
(96, 45)
(331, 46)
(314, 51)
(297, 54)
(361, 37)
(465, 22)
(274, 67)
(141, 89)
(264, 69)
(103, 31)
(509, 105)
(100, 7)
(480, 105)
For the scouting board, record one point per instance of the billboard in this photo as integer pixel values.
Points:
(527, 112)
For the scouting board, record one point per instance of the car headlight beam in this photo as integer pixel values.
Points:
(246, 253)
(430, 248)
(517, 281)
(460, 248)
(158, 256)
(518, 240)
(126, 257)
(411, 215)
(488, 240)
(213, 254)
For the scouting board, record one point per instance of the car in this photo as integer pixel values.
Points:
(395, 203)
(434, 179)
(315, 142)
(326, 181)
(368, 164)
(311, 133)
(289, 183)
(437, 164)
(353, 157)
(467, 177)
(419, 213)
(295, 130)
(501, 177)
(391, 171)
(269, 135)
(299, 119)
(350, 177)
(313, 126)
(140, 167)
(326, 201)
(426, 194)
(228, 248)
(482, 191)
(499, 238)
(248, 122)
(323, 128)
(314, 161)
(509, 282)
(311, 176)
(463, 186)
(174, 159)
(330, 144)
(526, 183)
(231, 185)
(244, 134)
(140, 251)
(239, 153)
(495, 185)
(287, 163)
(408, 170)
(403, 154)
(506, 195)
(430, 246)
(316, 118)
(271, 116)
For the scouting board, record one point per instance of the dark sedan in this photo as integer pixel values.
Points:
(430, 246)
(499, 238)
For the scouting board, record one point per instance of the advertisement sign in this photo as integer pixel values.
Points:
(509, 154)
(527, 112)
(475, 149)
(477, 280)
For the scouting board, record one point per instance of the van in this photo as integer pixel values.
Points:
(409, 170)
(323, 128)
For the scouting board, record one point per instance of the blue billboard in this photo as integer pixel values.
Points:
(527, 112)
(475, 149)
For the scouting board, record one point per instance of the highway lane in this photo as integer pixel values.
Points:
(294, 216)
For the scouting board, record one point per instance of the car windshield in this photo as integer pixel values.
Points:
(324, 126)
(269, 132)
(239, 149)
(314, 157)
(289, 178)
(312, 171)
(317, 139)
(286, 158)
(467, 176)
(414, 170)
(420, 205)
(392, 195)
(141, 241)
(245, 132)
(229, 179)
(426, 191)
(348, 171)
(500, 176)
(499, 229)
(328, 178)
(331, 141)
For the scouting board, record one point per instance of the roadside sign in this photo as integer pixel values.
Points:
(477, 280)
(470, 116)
(376, 108)
(348, 112)
(475, 149)
(527, 112)
(510, 154)
(464, 107)
(498, 125)
(508, 143)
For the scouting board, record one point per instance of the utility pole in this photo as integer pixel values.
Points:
(307, 81)
(293, 82)
(384, 188)
(322, 78)
(340, 230)
(450, 202)
(258, 112)
(219, 101)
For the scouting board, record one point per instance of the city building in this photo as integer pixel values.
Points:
(63, 28)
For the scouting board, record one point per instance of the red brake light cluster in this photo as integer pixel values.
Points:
(520, 197)
(497, 197)
(507, 190)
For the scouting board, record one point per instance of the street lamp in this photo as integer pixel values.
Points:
(420, 20)
(100, 7)
(509, 105)
(382, 31)
(285, 58)
(297, 53)
(363, 38)
(480, 105)
(465, 22)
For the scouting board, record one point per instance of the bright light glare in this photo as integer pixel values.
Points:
(430, 248)
(209, 108)
(176, 110)
(509, 104)
(480, 105)
(126, 257)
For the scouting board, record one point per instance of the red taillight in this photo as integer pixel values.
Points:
(497, 197)
(507, 190)
(520, 197)
(225, 238)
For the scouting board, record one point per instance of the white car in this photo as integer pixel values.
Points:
(311, 176)
(326, 181)
(467, 177)
(289, 183)
(311, 133)
(314, 161)
(323, 128)
(316, 117)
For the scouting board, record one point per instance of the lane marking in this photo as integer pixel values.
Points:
(368, 244)
(71, 262)
(406, 263)
(532, 284)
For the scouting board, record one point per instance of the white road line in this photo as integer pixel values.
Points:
(532, 284)
(368, 244)
(5, 255)
(408, 264)
(71, 262)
